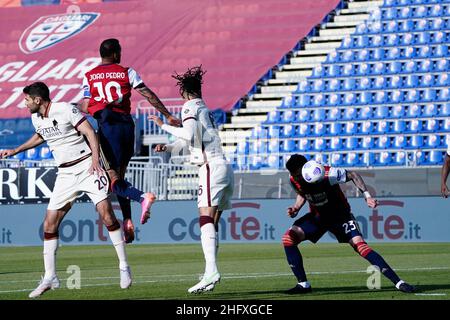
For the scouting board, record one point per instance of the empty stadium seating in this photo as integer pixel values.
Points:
(382, 97)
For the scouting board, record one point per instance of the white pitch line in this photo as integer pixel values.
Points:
(430, 294)
(225, 276)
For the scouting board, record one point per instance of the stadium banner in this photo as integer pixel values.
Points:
(408, 219)
(237, 42)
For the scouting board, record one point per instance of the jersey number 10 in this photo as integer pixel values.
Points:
(107, 89)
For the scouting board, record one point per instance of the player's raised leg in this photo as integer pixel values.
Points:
(115, 233)
(50, 280)
(363, 249)
(291, 239)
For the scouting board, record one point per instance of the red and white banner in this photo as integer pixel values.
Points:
(235, 41)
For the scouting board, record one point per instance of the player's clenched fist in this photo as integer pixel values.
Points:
(292, 211)
(6, 153)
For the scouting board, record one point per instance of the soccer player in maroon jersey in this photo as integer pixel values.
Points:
(329, 211)
(107, 92)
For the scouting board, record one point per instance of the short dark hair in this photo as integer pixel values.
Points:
(296, 161)
(38, 89)
(191, 81)
(109, 47)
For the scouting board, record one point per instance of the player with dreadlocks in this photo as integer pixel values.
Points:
(216, 181)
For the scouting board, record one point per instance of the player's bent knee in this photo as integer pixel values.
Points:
(291, 238)
(362, 248)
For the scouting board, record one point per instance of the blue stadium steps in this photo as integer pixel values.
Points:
(380, 99)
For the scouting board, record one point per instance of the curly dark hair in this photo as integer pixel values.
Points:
(191, 81)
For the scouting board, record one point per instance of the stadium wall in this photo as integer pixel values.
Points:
(402, 219)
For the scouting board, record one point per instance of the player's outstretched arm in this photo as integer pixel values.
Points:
(86, 129)
(360, 184)
(444, 175)
(155, 102)
(33, 142)
(293, 210)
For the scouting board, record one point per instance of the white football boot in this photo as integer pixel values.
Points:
(45, 285)
(206, 284)
(125, 278)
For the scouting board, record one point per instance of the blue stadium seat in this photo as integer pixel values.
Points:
(318, 71)
(429, 94)
(363, 69)
(318, 85)
(406, 39)
(262, 146)
(288, 116)
(383, 142)
(410, 66)
(399, 158)
(304, 130)
(45, 153)
(274, 146)
(424, 52)
(436, 10)
(444, 110)
(381, 112)
(349, 98)
(252, 147)
(366, 127)
(319, 144)
(437, 24)
(415, 142)
(255, 162)
(242, 147)
(287, 102)
(304, 145)
(334, 114)
(379, 82)
(435, 157)
(398, 126)
(409, 53)
(394, 67)
(412, 81)
(347, 56)
(335, 128)
(398, 111)
(396, 96)
(368, 158)
(395, 82)
(304, 100)
(389, 13)
(332, 70)
(406, 25)
(384, 159)
(321, 158)
(363, 55)
(365, 113)
(273, 162)
(347, 42)
(259, 133)
(392, 40)
(318, 100)
(303, 86)
(412, 95)
(441, 65)
(349, 113)
(349, 83)
(335, 144)
(363, 83)
(319, 129)
(350, 128)
(289, 145)
(348, 70)
(333, 85)
(430, 110)
(19, 156)
(365, 97)
(351, 143)
(332, 57)
(337, 160)
(303, 115)
(367, 143)
(273, 132)
(334, 99)
(390, 26)
(414, 126)
(405, 12)
(431, 125)
(433, 141)
(419, 157)
(442, 80)
(352, 159)
(425, 65)
(444, 94)
(318, 114)
(438, 37)
(399, 142)
(288, 131)
(273, 117)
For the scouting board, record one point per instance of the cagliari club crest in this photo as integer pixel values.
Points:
(48, 31)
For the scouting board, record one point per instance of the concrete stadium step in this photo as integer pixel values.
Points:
(228, 149)
(264, 103)
(364, 4)
(336, 32)
(268, 89)
(322, 45)
(231, 138)
(300, 66)
(257, 110)
(270, 95)
(285, 82)
(351, 17)
(310, 60)
(239, 125)
(292, 74)
(313, 53)
(248, 119)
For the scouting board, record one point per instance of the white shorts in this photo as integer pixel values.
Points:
(216, 185)
(72, 181)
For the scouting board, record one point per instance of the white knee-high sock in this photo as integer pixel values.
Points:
(208, 237)
(119, 245)
(50, 247)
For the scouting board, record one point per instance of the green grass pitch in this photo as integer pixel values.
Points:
(249, 271)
